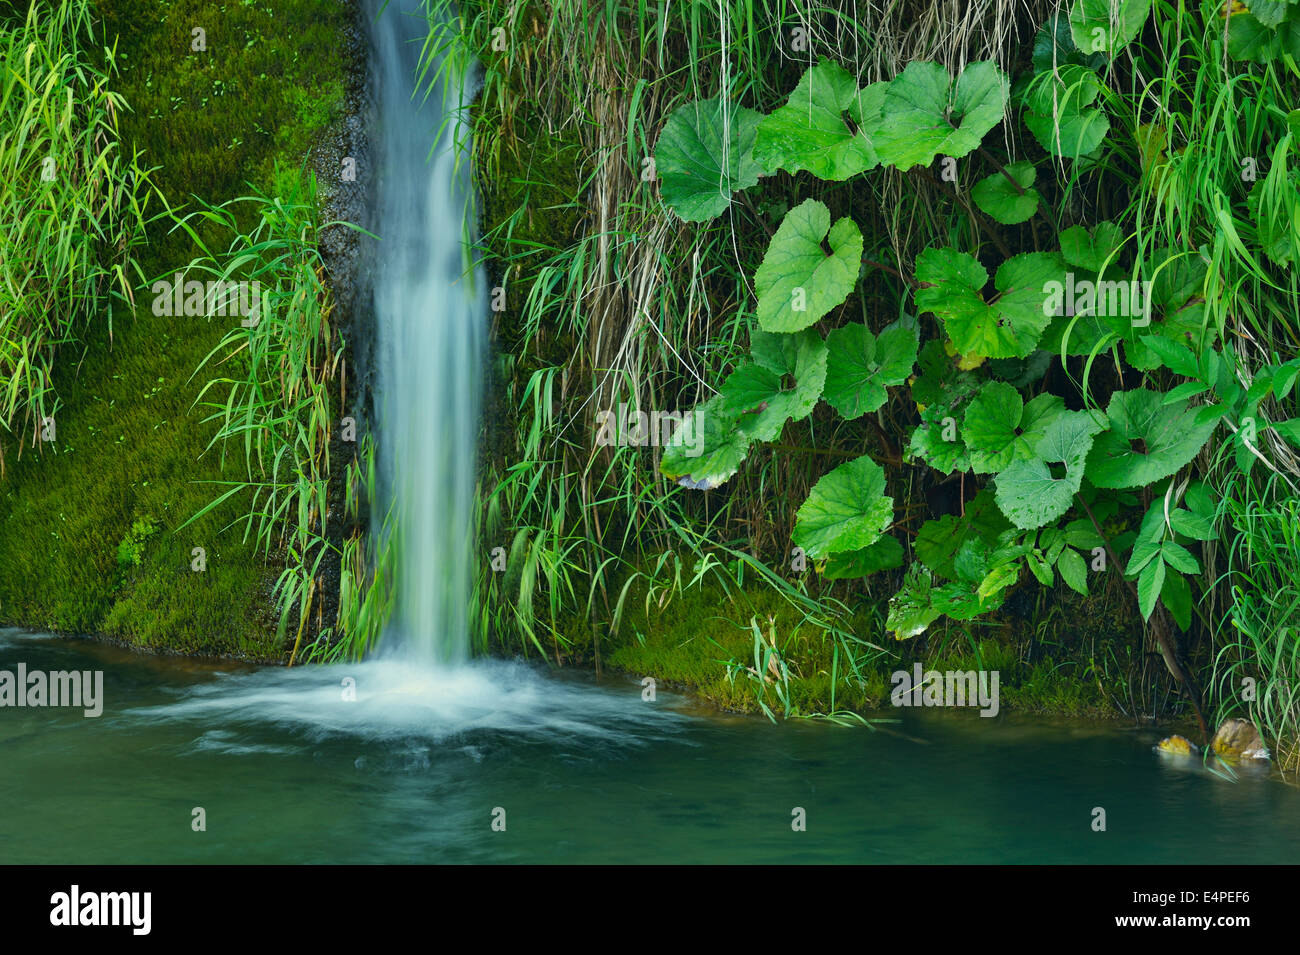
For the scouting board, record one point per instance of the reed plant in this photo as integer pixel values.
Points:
(73, 200)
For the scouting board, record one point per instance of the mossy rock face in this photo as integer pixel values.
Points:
(1178, 746)
(1238, 739)
(132, 449)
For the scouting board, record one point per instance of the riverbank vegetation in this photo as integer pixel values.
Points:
(97, 534)
(983, 317)
(868, 246)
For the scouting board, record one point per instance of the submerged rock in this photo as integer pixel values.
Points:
(1239, 739)
(1178, 745)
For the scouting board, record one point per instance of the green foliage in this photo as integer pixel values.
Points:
(860, 365)
(131, 550)
(810, 267)
(846, 511)
(1074, 301)
(72, 198)
(1008, 195)
(927, 113)
(129, 442)
(812, 131)
(705, 153)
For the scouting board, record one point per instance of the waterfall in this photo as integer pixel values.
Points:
(429, 317)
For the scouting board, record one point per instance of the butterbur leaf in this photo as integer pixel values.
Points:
(999, 196)
(1060, 115)
(756, 395)
(1107, 26)
(846, 510)
(1028, 492)
(798, 281)
(1091, 251)
(999, 427)
(825, 127)
(862, 365)
(926, 113)
(704, 154)
(1007, 327)
(1146, 440)
(939, 540)
(910, 611)
(706, 449)
(937, 440)
(940, 381)
(884, 554)
(1054, 47)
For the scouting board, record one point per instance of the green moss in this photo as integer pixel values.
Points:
(129, 441)
(703, 641)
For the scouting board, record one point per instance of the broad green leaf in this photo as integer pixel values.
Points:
(846, 510)
(939, 539)
(1060, 115)
(1150, 581)
(705, 153)
(999, 196)
(1009, 326)
(927, 114)
(1192, 525)
(1054, 47)
(1107, 26)
(910, 611)
(940, 381)
(798, 280)
(1249, 39)
(1091, 251)
(937, 440)
(1028, 492)
(756, 394)
(1179, 557)
(1074, 571)
(825, 127)
(707, 449)
(1146, 440)
(999, 428)
(998, 579)
(884, 554)
(1176, 595)
(861, 365)
(1174, 356)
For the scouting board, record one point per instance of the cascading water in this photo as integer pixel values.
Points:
(429, 311)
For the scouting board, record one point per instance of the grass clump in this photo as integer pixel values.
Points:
(131, 440)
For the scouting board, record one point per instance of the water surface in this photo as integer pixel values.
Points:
(412, 769)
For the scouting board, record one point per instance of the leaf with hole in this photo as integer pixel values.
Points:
(1035, 492)
(1145, 440)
